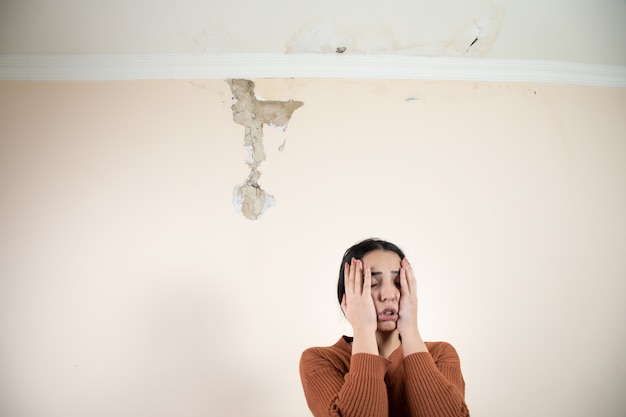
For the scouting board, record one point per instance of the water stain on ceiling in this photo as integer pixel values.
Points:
(332, 35)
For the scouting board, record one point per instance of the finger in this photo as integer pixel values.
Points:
(367, 281)
(347, 283)
(351, 277)
(344, 305)
(358, 277)
(404, 285)
(410, 276)
(407, 264)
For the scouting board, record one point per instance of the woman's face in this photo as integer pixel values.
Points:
(385, 267)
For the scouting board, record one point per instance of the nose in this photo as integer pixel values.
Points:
(389, 292)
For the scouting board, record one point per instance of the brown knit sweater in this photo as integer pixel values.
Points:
(426, 384)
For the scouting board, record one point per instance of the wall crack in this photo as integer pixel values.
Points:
(249, 198)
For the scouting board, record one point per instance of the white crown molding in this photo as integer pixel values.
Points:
(251, 66)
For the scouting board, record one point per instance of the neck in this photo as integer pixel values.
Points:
(387, 342)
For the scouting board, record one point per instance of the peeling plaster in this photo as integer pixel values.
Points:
(249, 198)
(327, 35)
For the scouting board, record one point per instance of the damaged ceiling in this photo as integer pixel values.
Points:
(249, 198)
(592, 32)
(36, 34)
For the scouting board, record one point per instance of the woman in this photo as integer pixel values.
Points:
(385, 369)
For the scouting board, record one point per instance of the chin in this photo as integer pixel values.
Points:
(387, 327)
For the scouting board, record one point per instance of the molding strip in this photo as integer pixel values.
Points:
(251, 66)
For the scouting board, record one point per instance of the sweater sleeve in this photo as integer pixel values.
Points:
(330, 391)
(434, 384)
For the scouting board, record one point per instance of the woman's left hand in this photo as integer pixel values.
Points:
(407, 321)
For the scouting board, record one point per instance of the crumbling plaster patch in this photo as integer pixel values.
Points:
(248, 197)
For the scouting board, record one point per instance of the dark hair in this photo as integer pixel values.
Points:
(358, 251)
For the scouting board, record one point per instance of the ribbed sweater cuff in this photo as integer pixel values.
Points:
(421, 369)
(420, 360)
(369, 364)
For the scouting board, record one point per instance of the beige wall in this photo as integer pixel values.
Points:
(131, 287)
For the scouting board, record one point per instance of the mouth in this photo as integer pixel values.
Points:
(388, 314)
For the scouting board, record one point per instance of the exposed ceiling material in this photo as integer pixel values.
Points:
(583, 32)
(249, 198)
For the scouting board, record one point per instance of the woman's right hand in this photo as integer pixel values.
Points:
(357, 303)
